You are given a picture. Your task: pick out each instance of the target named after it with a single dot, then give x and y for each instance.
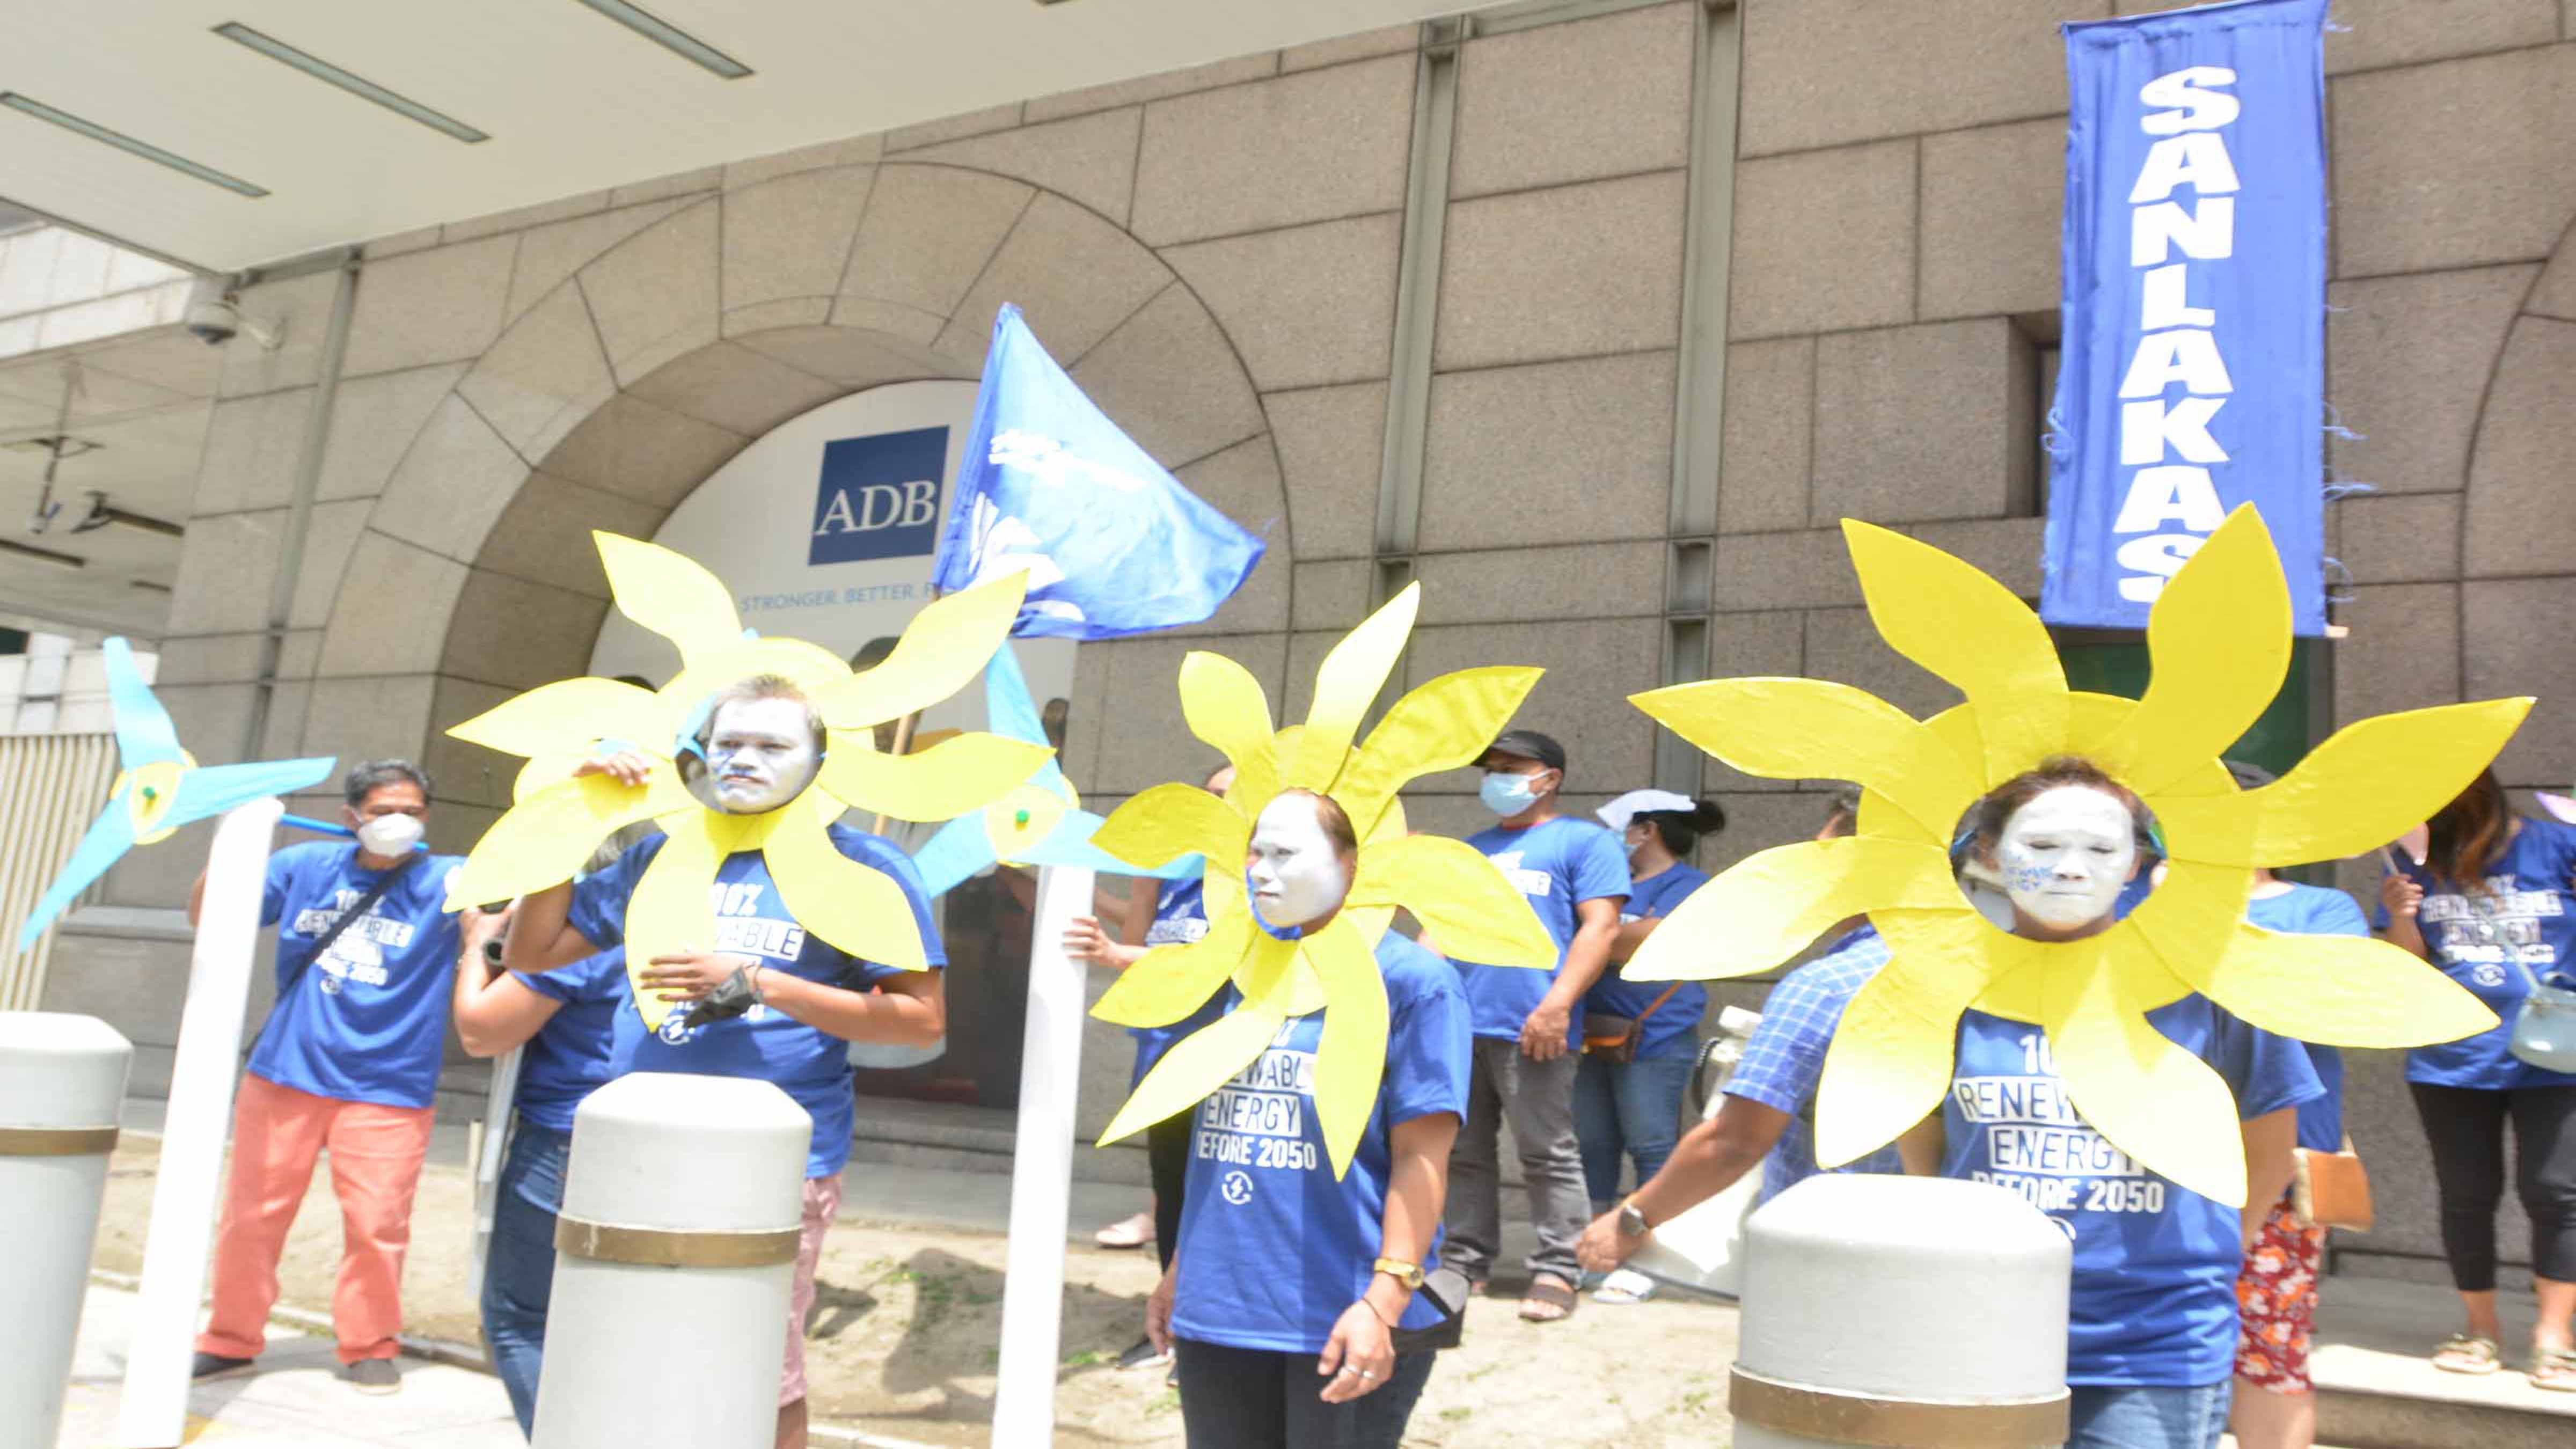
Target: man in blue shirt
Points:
(347, 1060)
(1528, 1023)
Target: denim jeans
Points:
(1633, 1108)
(519, 1273)
(2107, 1417)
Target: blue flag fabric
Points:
(1112, 543)
(2192, 374)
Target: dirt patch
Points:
(907, 1319)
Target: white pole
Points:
(154, 1411)
(1042, 1168)
(61, 1080)
(491, 1147)
(674, 1257)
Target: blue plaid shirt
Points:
(1787, 1055)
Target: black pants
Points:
(1167, 1159)
(1249, 1398)
(2465, 1127)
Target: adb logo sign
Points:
(878, 497)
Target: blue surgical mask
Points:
(1506, 794)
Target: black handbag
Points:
(1446, 1287)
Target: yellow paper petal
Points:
(2190, 917)
(944, 647)
(1966, 628)
(1441, 725)
(1769, 906)
(670, 594)
(566, 712)
(1196, 1065)
(2219, 637)
(1459, 896)
(855, 907)
(1169, 982)
(2348, 991)
(1793, 729)
(1346, 684)
(542, 840)
(1352, 1060)
(1169, 821)
(2362, 788)
(2151, 1099)
(671, 910)
(810, 667)
(1225, 706)
(1889, 1064)
(957, 777)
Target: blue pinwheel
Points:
(160, 788)
(1042, 822)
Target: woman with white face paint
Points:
(2152, 1315)
(1288, 1286)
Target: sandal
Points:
(1550, 1299)
(1623, 1287)
(2554, 1369)
(2461, 1354)
(1128, 1232)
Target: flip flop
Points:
(2461, 1354)
(1548, 1292)
(1128, 1232)
(2554, 1369)
(1623, 1287)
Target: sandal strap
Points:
(2483, 1348)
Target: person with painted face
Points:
(2493, 904)
(765, 999)
(1288, 1288)
(2152, 1313)
(1529, 1023)
(348, 1060)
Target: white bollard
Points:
(1964, 1339)
(187, 1185)
(61, 1080)
(1042, 1168)
(674, 1257)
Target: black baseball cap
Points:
(1528, 745)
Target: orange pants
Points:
(376, 1153)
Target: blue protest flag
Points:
(2192, 366)
(1112, 543)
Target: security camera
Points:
(214, 318)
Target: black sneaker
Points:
(215, 1366)
(1143, 1355)
(373, 1376)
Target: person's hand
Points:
(2401, 895)
(1085, 941)
(1158, 1312)
(626, 767)
(1543, 1033)
(1603, 1247)
(688, 975)
(1359, 1355)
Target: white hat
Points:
(1628, 807)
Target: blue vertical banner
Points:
(2192, 370)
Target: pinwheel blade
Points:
(144, 733)
(109, 837)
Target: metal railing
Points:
(51, 788)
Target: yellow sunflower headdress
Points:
(2219, 639)
(1456, 893)
(555, 820)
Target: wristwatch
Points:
(1408, 1274)
(1632, 1223)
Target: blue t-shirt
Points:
(2315, 911)
(1272, 1247)
(2153, 1302)
(1668, 1029)
(1555, 863)
(2485, 940)
(1180, 917)
(368, 1021)
(806, 1063)
(571, 1055)
(1786, 1057)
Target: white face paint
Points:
(1295, 870)
(2065, 855)
(760, 755)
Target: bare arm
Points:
(541, 938)
(1921, 1147)
(1586, 957)
(494, 1011)
(1707, 1161)
(2404, 898)
(1087, 940)
(2271, 1157)
(1631, 935)
(906, 1010)
(1361, 1352)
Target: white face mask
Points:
(1295, 871)
(760, 755)
(390, 834)
(2065, 855)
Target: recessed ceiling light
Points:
(359, 86)
(670, 37)
(33, 554)
(129, 145)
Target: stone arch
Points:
(621, 380)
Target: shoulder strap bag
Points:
(326, 940)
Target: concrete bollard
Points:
(61, 1080)
(674, 1257)
(1962, 1341)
